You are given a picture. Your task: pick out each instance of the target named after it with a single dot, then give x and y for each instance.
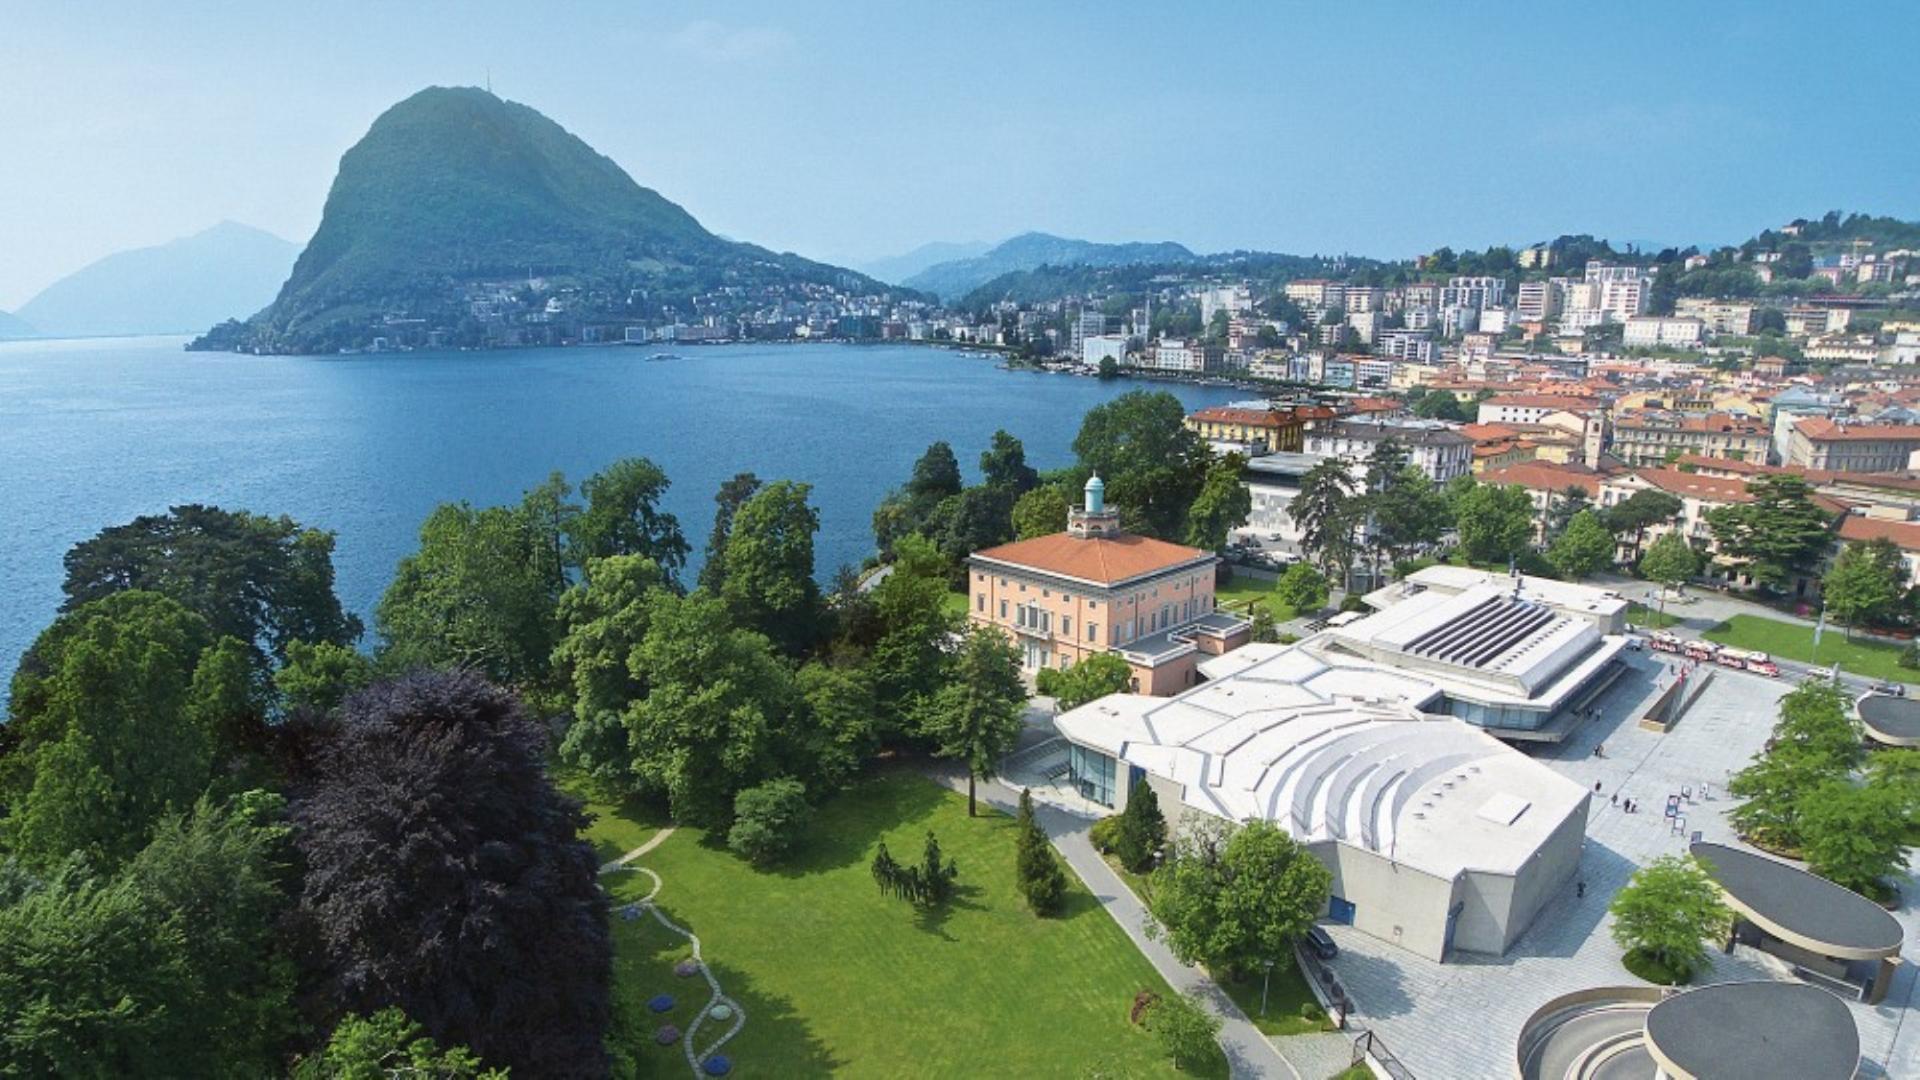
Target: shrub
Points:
(1185, 1028)
(1910, 656)
(768, 820)
(1104, 834)
(1353, 602)
(1142, 829)
(1036, 867)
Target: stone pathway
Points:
(716, 999)
(1249, 1053)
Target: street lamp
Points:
(1265, 979)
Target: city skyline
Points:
(854, 134)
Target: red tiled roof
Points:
(1904, 534)
(1489, 432)
(1570, 402)
(1106, 561)
(1227, 414)
(1708, 488)
(1821, 429)
(1545, 476)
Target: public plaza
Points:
(1461, 1018)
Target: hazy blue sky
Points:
(853, 130)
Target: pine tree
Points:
(1037, 868)
(1143, 829)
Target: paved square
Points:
(1461, 1019)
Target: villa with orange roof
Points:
(1095, 588)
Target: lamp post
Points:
(1265, 979)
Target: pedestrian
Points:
(1596, 787)
(1616, 798)
(1580, 889)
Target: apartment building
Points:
(1840, 445)
(1316, 293)
(1405, 345)
(1531, 408)
(1537, 301)
(1644, 437)
(1437, 449)
(1720, 316)
(1266, 428)
(1670, 331)
(1185, 355)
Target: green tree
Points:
(1301, 588)
(1187, 1031)
(936, 476)
(769, 578)
(1040, 512)
(716, 697)
(1584, 549)
(1563, 506)
(1777, 534)
(908, 658)
(1442, 405)
(1671, 562)
(1109, 368)
(320, 675)
(176, 963)
(1089, 680)
(1153, 466)
(1818, 717)
(1495, 522)
(1864, 582)
(1142, 830)
(1856, 835)
(605, 617)
(769, 819)
(733, 494)
(480, 593)
(267, 581)
(1036, 867)
(1324, 510)
(1641, 511)
(1222, 505)
(108, 743)
(1231, 896)
(1771, 789)
(976, 716)
(1004, 465)
(623, 517)
(977, 518)
(1666, 913)
(389, 1045)
(1408, 509)
(841, 727)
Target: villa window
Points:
(1093, 632)
(980, 602)
(1066, 626)
(1003, 609)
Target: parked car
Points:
(1321, 943)
(1891, 689)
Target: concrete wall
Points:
(1498, 907)
(1392, 901)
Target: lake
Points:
(96, 432)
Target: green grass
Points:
(838, 979)
(1651, 969)
(956, 603)
(1873, 659)
(1651, 618)
(614, 828)
(1353, 1072)
(1241, 593)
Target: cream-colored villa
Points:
(1095, 588)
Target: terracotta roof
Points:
(1711, 423)
(1489, 432)
(1227, 414)
(1105, 561)
(1904, 534)
(1824, 430)
(1570, 402)
(1545, 476)
(1708, 488)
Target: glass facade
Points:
(1092, 773)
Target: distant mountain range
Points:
(224, 272)
(456, 204)
(897, 269)
(12, 326)
(1029, 251)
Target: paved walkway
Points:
(1249, 1053)
(653, 841)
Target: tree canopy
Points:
(976, 715)
(1234, 896)
(1584, 549)
(1667, 911)
(622, 516)
(1779, 533)
(1153, 466)
(769, 584)
(1864, 583)
(267, 581)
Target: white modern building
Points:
(1439, 836)
(1101, 347)
(1673, 331)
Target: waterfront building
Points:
(1265, 428)
(1095, 588)
(1434, 447)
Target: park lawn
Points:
(1239, 594)
(836, 978)
(956, 604)
(1650, 618)
(1874, 659)
(614, 828)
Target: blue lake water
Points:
(93, 433)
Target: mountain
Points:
(227, 271)
(12, 327)
(1032, 250)
(464, 219)
(898, 268)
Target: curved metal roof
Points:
(1800, 907)
(1755, 1030)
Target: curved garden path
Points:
(696, 1058)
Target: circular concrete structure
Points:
(1801, 908)
(1755, 1031)
(1889, 720)
(1597, 1034)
